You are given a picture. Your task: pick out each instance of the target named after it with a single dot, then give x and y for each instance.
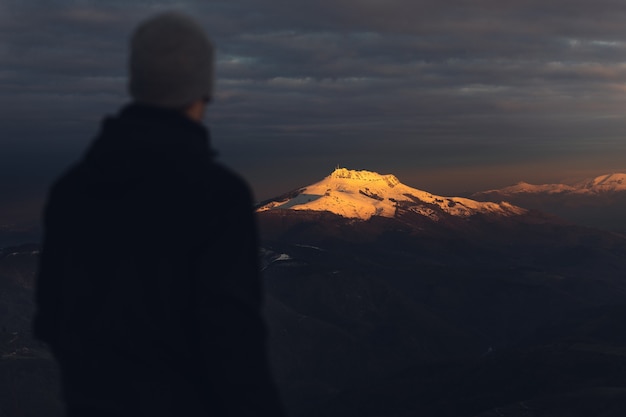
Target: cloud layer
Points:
(418, 88)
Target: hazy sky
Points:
(450, 96)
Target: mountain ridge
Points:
(613, 182)
(364, 194)
(597, 202)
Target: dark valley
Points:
(441, 307)
(385, 300)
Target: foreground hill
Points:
(28, 376)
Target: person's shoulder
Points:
(63, 194)
(229, 181)
(66, 182)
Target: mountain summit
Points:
(604, 183)
(363, 194)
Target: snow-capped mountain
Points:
(363, 194)
(526, 188)
(601, 184)
(596, 202)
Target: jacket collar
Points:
(160, 115)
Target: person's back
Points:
(148, 290)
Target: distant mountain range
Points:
(595, 202)
(609, 183)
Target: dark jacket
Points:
(149, 292)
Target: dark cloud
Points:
(395, 85)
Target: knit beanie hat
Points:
(171, 62)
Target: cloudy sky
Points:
(451, 96)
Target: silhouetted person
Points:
(149, 292)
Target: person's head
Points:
(171, 64)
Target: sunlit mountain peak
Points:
(363, 194)
(603, 183)
(350, 174)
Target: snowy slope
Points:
(597, 185)
(363, 194)
(524, 187)
(603, 183)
